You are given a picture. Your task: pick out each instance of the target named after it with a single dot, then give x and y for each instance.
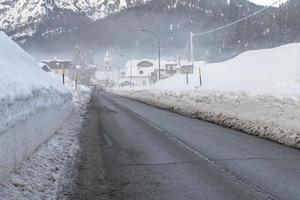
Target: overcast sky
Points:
(265, 2)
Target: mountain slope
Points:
(22, 18)
(172, 19)
(117, 28)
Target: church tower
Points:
(108, 61)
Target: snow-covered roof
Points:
(55, 60)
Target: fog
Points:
(120, 33)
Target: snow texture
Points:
(33, 105)
(47, 172)
(257, 92)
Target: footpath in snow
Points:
(33, 105)
(257, 92)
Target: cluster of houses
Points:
(80, 69)
(142, 72)
(83, 74)
(146, 72)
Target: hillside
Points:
(22, 19)
(172, 20)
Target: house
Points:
(172, 67)
(146, 72)
(106, 78)
(84, 73)
(58, 66)
(139, 72)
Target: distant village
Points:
(143, 72)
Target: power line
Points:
(223, 27)
(237, 21)
(230, 24)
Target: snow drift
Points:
(257, 92)
(33, 105)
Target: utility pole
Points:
(159, 51)
(192, 48)
(76, 80)
(200, 77)
(187, 78)
(130, 73)
(158, 57)
(63, 74)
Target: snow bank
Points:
(47, 173)
(273, 71)
(257, 92)
(33, 105)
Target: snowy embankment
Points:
(47, 174)
(33, 105)
(257, 92)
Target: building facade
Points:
(146, 72)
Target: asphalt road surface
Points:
(132, 151)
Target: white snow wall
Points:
(20, 141)
(266, 116)
(33, 105)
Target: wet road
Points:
(133, 151)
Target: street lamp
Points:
(192, 35)
(76, 80)
(130, 67)
(158, 42)
(192, 48)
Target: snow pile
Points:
(257, 92)
(33, 105)
(274, 71)
(47, 174)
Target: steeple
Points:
(108, 61)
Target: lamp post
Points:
(63, 73)
(192, 48)
(158, 43)
(76, 80)
(130, 60)
(192, 35)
